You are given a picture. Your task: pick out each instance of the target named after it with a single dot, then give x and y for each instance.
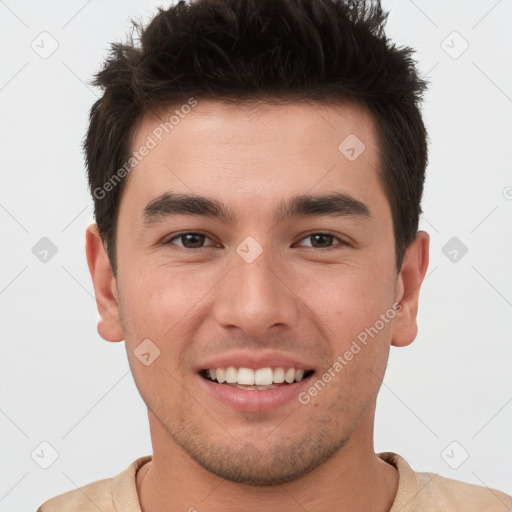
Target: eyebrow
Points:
(334, 204)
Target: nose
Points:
(256, 297)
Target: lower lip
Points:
(252, 400)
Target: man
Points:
(257, 169)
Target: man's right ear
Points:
(105, 287)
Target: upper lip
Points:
(254, 360)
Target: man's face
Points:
(258, 291)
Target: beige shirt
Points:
(417, 492)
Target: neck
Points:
(355, 479)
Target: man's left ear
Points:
(408, 285)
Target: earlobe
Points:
(409, 282)
(105, 288)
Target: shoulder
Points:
(116, 494)
(431, 492)
(450, 494)
(91, 497)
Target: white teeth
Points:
(246, 376)
(261, 378)
(279, 375)
(221, 375)
(289, 376)
(231, 375)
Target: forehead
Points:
(251, 123)
(253, 153)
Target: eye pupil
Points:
(323, 236)
(194, 236)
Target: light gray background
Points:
(62, 384)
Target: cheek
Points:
(164, 306)
(154, 313)
(156, 300)
(351, 299)
(355, 373)
(358, 312)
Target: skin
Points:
(297, 298)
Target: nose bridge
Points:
(253, 296)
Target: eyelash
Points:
(180, 235)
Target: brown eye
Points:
(189, 240)
(322, 240)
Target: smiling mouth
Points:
(259, 379)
